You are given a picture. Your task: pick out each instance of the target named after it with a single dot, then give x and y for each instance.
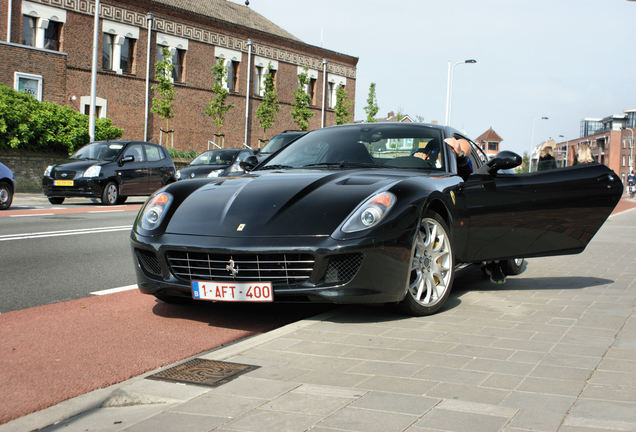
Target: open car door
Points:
(545, 213)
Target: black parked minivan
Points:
(109, 170)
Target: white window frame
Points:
(16, 83)
(43, 15)
(228, 56)
(262, 62)
(99, 102)
(120, 32)
(337, 81)
(172, 43)
(311, 74)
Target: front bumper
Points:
(82, 187)
(380, 273)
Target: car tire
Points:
(110, 194)
(6, 195)
(431, 268)
(513, 266)
(122, 199)
(56, 200)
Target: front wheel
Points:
(431, 269)
(6, 195)
(110, 195)
(56, 200)
(513, 266)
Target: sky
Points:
(561, 59)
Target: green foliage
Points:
(182, 154)
(342, 106)
(525, 164)
(300, 107)
(218, 106)
(372, 104)
(162, 104)
(27, 124)
(268, 108)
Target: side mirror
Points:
(503, 160)
(126, 159)
(249, 163)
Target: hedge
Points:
(27, 124)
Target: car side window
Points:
(137, 151)
(242, 156)
(153, 153)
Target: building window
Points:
(259, 79)
(493, 146)
(29, 83)
(52, 36)
(108, 51)
(232, 75)
(331, 95)
(127, 57)
(28, 30)
(100, 106)
(334, 81)
(623, 164)
(178, 61)
(311, 90)
(42, 25)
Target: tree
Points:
(162, 104)
(372, 104)
(525, 164)
(268, 108)
(342, 106)
(218, 105)
(300, 107)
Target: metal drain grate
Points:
(202, 372)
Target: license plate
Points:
(233, 291)
(63, 182)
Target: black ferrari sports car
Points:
(365, 213)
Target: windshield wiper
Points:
(342, 164)
(276, 167)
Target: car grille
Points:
(149, 262)
(282, 269)
(342, 268)
(64, 175)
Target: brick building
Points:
(490, 142)
(47, 50)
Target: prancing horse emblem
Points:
(230, 267)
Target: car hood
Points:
(199, 170)
(292, 203)
(77, 165)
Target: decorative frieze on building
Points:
(119, 14)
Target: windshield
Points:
(278, 142)
(373, 146)
(103, 151)
(215, 157)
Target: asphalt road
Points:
(56, 253)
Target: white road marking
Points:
(105, 211)
(100, 230)
(31, 215)
(115, 290)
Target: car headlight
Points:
(92, 171)
(47, 171)
(155, 210)
(370, 213)
(215, 173)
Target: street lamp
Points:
(449, 85)
(149, 18)
(91, 119)
(532, 139)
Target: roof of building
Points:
(489, 135)
(393, 117)
(228, 11)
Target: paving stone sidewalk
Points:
(554, 349)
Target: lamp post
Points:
(91, 119)
(149, 18)
(324, 89)
(532, 138)
(449, 85)
(247, 94)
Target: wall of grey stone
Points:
(28, 167)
